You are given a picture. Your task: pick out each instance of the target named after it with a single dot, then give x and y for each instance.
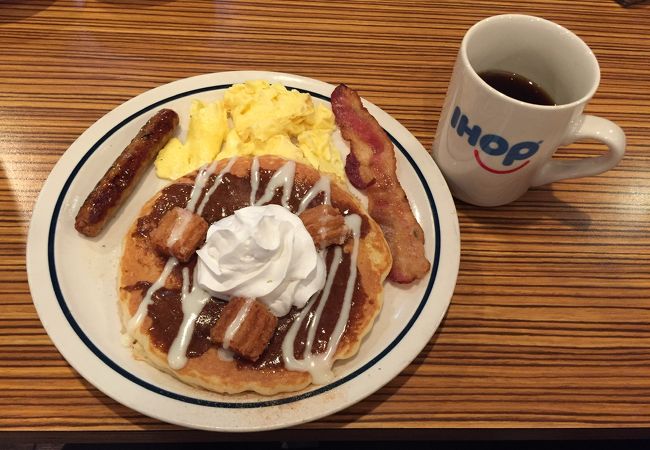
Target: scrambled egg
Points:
(266, 119)
(207, 129)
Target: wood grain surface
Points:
(549, 327)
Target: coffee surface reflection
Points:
(517, 86)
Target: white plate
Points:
(73, 278)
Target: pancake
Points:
(208, 366)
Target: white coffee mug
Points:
(490, 147)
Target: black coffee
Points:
(516, 86)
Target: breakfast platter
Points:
(92, 286)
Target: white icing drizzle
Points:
(199, 184)
(141, 313)
(322, 229)
(282, 177)
(255, 179)
(322, 185)
(232, 329)
(315, 364)
(192, 303)
(319, 365)
(215, 185)
(179, 228)
(313, 325)
(353, 222)
(225, 355)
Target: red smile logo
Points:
(490, 169)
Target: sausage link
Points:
(120, 179)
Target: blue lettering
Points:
(474, 133)
(522, 150)
(494, 145)
(455, 116)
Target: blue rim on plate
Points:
(197, 401)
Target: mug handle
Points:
(592, 127)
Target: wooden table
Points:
(548, 333)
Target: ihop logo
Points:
(493, 145)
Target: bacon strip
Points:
(371, 166)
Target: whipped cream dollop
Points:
(262, 252)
